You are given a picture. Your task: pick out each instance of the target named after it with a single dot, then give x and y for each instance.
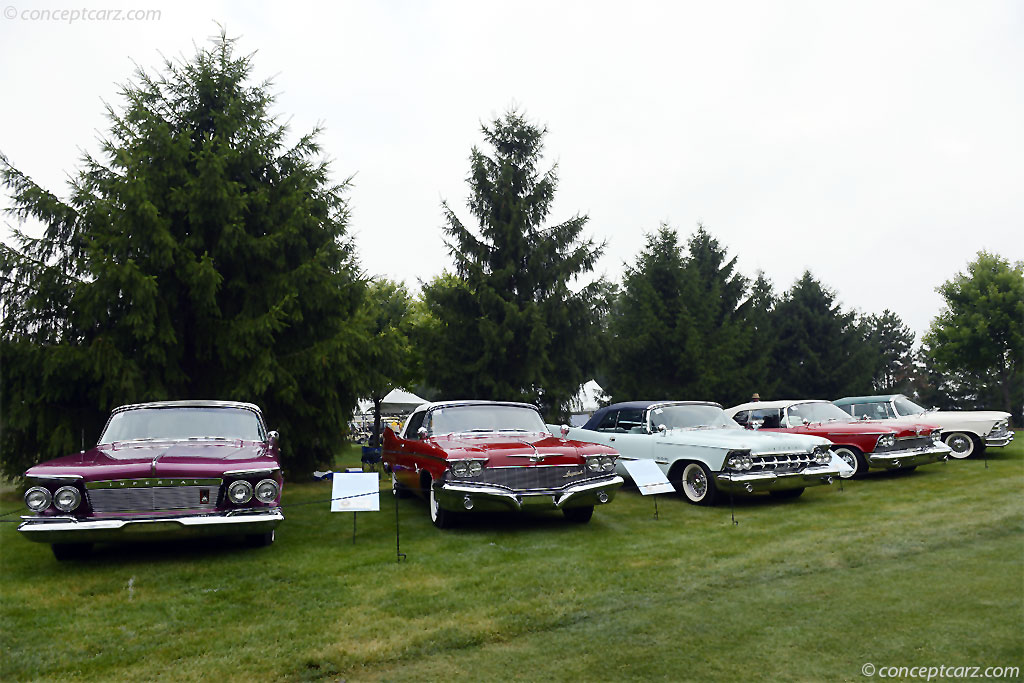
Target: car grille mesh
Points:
(528, 478)
(152, 498)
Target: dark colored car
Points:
(161, 470)
(485, 455)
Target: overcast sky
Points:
(877, 143)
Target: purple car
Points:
(161, 470)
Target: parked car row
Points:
(188, 468)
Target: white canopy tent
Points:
(397, 402)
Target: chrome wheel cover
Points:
(695, 482)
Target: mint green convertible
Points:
(704, 453)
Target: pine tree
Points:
(649, 327)
(820, 352)
(510, 325)
(892, 342)
(198, 257)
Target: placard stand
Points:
(355, 492)
(649, 479)
(399, 555)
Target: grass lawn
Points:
(925, 569)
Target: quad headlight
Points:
(37, 498)
(739, 460)
(240, 492)
(466, 468)
(67, 498)
(600, 463)
(936, 436)
(886, 441)
(821, 455)
(267, 491)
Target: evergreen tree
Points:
(759, 319)
(649, 327)
(197, 257)
(980, 333)
(680, 328)
(510, 326)
(820, 352)
(892, 342)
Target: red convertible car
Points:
(485, 455)
(862, 444)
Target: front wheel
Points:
(442, 519)
(71, 551)
(854, 458)
(579, 515)
(786, 493)
(696, 483)
(963, 445)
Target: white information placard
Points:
(648, 477)
(355, 492)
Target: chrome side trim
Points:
(254, 470)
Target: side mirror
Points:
(662, 428)
(755, 424)
(421, 433)
(273, 437)
(565, 431)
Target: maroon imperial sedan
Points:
(166, 469)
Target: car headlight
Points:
(267, 491)
(739, 460)
(594, 463)
(240, 492)
(886, 441)
(67, 498)
(936, 436)
(821, 455)
(37, 498)
(608, 463)
(460, 468)
(475, 467)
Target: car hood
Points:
(982, 420)
(159, 459)
(899, 428)
(742, 439)
(505, 449)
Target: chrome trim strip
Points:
(43, 525)
(56, 477)
(254, 470)
(151, 482)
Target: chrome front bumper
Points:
(894, 460)
(754, 482)
(68, 529)
(999, 440)
(453, 496)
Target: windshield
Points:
(690, 417)
(817, 412)
(485, 418)
(183, 423)
(904, 406)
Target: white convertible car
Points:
(966, 432)
(705, 453)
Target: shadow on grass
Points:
(154, 552)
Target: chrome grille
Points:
(533, 477)
(781, 462)
(152, 498)
(906, 443)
